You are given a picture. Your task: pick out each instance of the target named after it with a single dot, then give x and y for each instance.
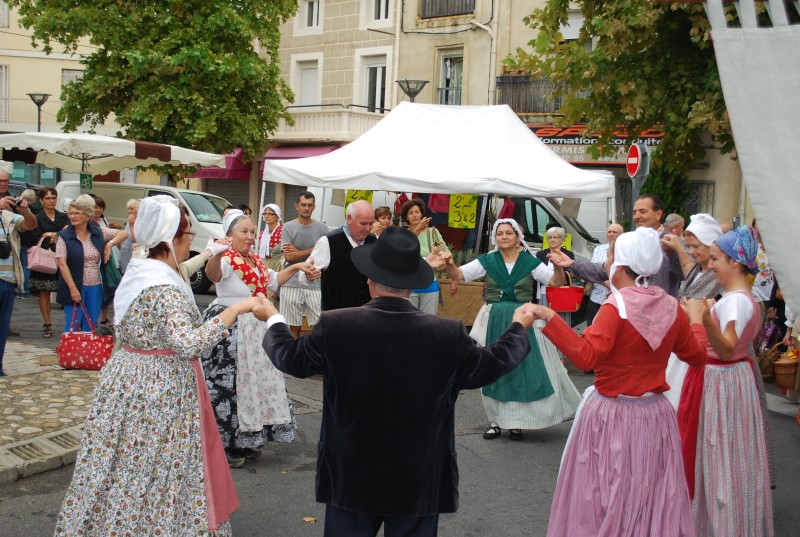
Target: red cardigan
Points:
(623, 362)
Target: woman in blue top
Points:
(538, 393)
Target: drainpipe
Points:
(396, 58)
(492, 56)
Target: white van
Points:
(533, 213)
(205, 211)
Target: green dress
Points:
(529, 381)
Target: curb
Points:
(40, 454)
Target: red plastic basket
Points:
(564, 299)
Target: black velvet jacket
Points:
(391, 376)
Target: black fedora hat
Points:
(393, 260)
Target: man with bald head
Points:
(600, 290)
(343, 286)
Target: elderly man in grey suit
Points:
(391, 377)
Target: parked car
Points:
(205, 211)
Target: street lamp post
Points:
(411, 88)
(39, 99)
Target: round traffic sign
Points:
(634, 161)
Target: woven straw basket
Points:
(785, 373)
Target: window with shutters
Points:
(375, 96)
(451, 79)
(4, 22)
(305, 79)
(310, 17)
(371, 83)
(445, 8)
(70, 75)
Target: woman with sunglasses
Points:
(50, 222)
(269, 243)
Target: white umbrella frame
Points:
(95, 154)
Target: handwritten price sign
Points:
(463, 208)
(357, 195)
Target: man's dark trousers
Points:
(340, 522)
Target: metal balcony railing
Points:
(445, 8)
(450, 95)
(529, 95)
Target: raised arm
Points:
(672, 244)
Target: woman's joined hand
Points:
(670, 243)
(312, 273)
(262, 308)
(559, 258)
(696, 309)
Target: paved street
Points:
(506, 487)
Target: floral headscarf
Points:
(741, 245)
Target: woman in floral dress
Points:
(151, 461)
(249, 395)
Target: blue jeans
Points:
(92, 297)
(8, 292)
(23, 257)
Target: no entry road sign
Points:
(634, 161)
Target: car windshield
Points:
(582, 231)
(206, 208)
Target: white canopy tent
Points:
(446, 150)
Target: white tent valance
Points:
(447, 150)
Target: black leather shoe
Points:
(515, 434)
(492, 433)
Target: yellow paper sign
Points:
(567, 245)
(357, 195)
(463, 208)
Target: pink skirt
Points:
(622, 472)
(732, 487)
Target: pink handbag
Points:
(42, 259)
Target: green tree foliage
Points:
(671, 187)
(650, 65)
(184, 72)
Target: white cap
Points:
(157, 221)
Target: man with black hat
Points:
(391, 378)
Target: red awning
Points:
(298, 151)
(234, 168)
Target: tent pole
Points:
(481, 217)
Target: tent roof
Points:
(448, 150)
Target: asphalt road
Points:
(506, 487)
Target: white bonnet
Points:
(157, 221)
(275, 209)
(640, 250)
(228, 219)
(514, 224)
(705, 228)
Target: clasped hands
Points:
(698, 310)
(259, 306)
